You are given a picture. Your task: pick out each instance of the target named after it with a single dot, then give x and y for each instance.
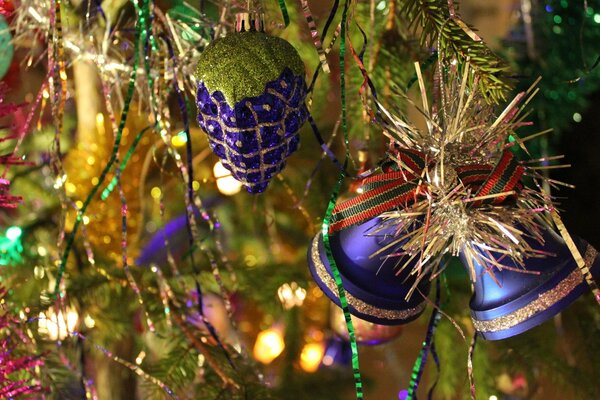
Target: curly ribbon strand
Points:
(470, 365)
(358, 57)
(284, 13)
(58, 90)
(320, 162)
(330, 18)
(111, 161)
(124, 241)
(170, 259)
(367, 81)
(324, 147)
(183, 106)
(436, 359)
(419, 366)
(314, 33)
(165, 292)
(584, 268)
(326, 220)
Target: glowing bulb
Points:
(311, 356)
(226, 183)
(492, 397)
(291, 295)
(57, 326)
(89, 321)
(179, 140)
(155, 192)
(13, 233)
(269, 345)
(100, 125)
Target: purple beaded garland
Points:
(255, 137)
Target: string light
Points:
(11, 246)
(226, 183)
(13, 233)
(291, 295)
(311, 356)
(269, 345)
(57, 326)
(179, 140)
(89, 321)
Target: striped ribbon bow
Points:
(400, 187)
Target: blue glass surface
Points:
(500, 293)
(255, 136)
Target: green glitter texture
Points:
(241, 64)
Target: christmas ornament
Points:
(457, 189)
(377, 291)
(509, 301)
(83, 166)
(250, 98)
(174, 233)
(367, 333)
(6, 47)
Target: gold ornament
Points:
(83, 166)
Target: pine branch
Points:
(436, 24)
(202, 348)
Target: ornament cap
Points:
(250, 22)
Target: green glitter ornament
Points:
(242, 63)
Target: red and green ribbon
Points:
(400, 187)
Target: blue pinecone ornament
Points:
(250, 98)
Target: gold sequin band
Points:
(542, 303)
(358, 304)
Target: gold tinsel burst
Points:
(447, 216)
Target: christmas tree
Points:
(298, 199)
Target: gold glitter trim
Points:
(543, 302)
(590, 257)
(357, 304)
